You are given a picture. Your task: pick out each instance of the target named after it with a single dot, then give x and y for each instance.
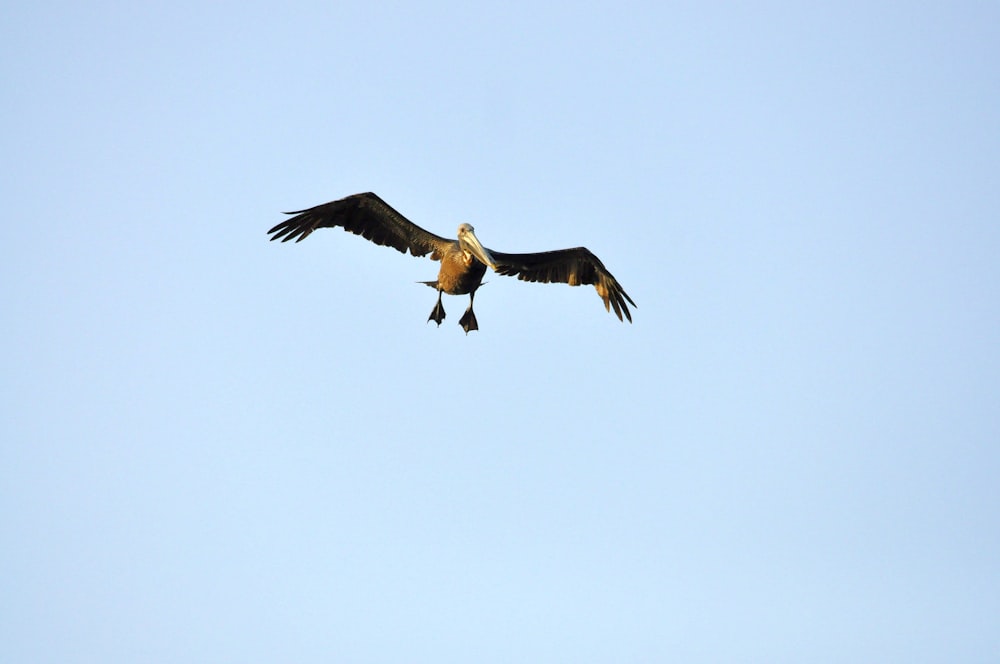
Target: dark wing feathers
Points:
(568, 266)
(366, 215)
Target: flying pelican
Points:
(463, 262)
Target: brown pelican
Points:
(463, 262)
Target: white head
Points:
(469, 243)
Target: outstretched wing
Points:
(568, 266)
(366, 215)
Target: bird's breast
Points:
(460, 274)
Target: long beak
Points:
(478, 250)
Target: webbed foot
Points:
(437, 314)
(468, 321)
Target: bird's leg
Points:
(468, 320)
(437, 314)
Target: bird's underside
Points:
(463, 261)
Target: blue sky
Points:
(217, 448)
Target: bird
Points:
(464, 261)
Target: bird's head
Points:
(469, 243)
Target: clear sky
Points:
(221, 449)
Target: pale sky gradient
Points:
(221, 449)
